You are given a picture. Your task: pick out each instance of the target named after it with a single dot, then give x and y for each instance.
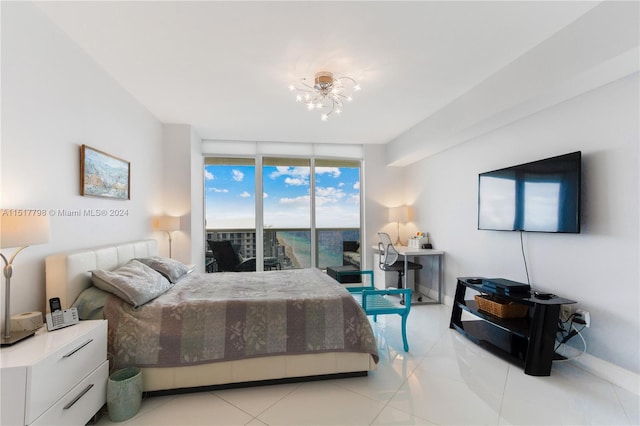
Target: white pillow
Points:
(172, 269)
(135, 282)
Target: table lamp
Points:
(167, 224)
(399, 214)
(21, 232)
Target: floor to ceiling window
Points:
(337, 209)
(230, 211)
(298, 230)
(287, 211)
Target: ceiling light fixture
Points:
(327, 94)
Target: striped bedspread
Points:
(234, 315)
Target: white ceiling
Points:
(224, 67)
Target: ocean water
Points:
(329, 246)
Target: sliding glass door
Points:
(287, 212)
(337, 211)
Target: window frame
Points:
(259, 189)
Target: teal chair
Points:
(374, 302)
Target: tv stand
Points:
(528, 342)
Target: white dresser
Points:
(55, 378)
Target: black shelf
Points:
(519, 326)
(528, 342)
(494, 339)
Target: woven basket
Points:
(501, 309)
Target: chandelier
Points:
(327, 94)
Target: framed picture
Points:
(103, 175)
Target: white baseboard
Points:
(619, 376)
(447, 300)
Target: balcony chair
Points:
(389, 258)
(228, 260)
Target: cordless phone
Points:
(59, 318)
(54, 304)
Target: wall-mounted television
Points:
(541, 196)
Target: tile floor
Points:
(443, 380)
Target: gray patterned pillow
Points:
(135, 282)
(171, 269)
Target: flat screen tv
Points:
(541, 196)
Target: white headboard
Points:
(69, 273)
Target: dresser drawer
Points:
(81, 403)
(55, 375)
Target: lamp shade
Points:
(399, 214)
(166, 223)
(21, 231)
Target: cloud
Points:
(265, 195)
(237, 175)
(297, 176)
(302, 200)
(353, 199)
(328, 195)
(208, 175)
(332, 171)
(218, 189)
(341, 184)
(356, 185)
(294, 181)
(329, 192)
(245, 194)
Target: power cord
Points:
(571, 332)
(524, 258)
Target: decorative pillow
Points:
(171, 269)
(90, 303)
(135, 282)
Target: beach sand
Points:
(288, 251)
(290, 254)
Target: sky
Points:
(230, 197)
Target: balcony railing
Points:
(287, 248)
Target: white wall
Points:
(384, 187)
(54, 99)
(183, 192)
(598, 267)
(196, 171)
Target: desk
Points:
(407, 252)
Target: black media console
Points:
(528, 342)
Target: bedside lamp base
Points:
(16, 336)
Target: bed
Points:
(254, 350)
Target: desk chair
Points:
(389, 258)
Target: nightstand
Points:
(55, 378)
